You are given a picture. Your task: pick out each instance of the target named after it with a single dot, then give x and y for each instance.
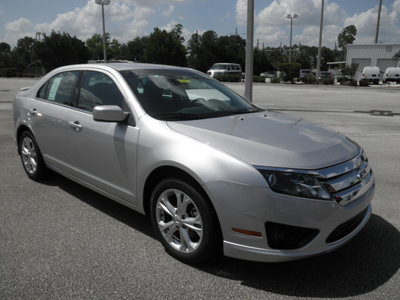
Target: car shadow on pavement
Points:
(112, 208)
(365, 263)
(361, 266)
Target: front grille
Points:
(350, 180)
(346, 228)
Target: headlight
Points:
(295, 184)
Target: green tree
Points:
(166, 47)
(207, 49)
(327, 55)
(23, 53)
(275, 57)
(290, 71)
(6, 62)
(115, 50)
(397, 56)
(349, 72)
(5, 55)
(195, 57)
(261, 62)
(95, 46)
(347, 36)
(134, 50)
(61, 49)
(231, 48)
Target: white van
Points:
(372, 74)
(224, 68)
(392, 74)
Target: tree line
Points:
(31, 56)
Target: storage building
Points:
(380, 55)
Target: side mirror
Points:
(109, 113)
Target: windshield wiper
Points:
(176, 116)
(240, 111)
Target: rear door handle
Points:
(75, 126)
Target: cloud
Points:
(17, 29)
(152, 3)
(272, 26)
(366, 22)
(396, 6)
(270, 35)
(86, 21)
(169, 11)
(124, 21)
(137, 27)
(241, 12)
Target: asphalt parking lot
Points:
(62, 241)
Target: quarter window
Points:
(59, 88)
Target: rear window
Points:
(59, 88)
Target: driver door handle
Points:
(75, 126)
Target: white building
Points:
(380, 55)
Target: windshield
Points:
(184, 95)
(219, 67)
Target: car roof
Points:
(121, 66)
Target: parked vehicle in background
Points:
(305, 72)
(392, 74)
(215, 173)
(268, 74)
(341, 78)
(372, 74)
(325, 74)
(224, 69)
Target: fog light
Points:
(287, 237)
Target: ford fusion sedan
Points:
(215, 173)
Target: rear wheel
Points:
(31, 157)
(184, 221)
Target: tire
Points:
(31, 157)
(184, 222)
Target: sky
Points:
(127, 19)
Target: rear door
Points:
(49, 117)
(103, 154)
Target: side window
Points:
(99, 89)
(59, 88)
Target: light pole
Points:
(321, 25)
(248, 77)
(102, 3)
(378, 21)
(289, 16)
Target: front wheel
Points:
(184, 221)
(31, 157)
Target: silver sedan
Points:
(215, 173)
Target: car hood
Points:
(271, 139)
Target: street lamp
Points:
(102, 3)
(289, 16)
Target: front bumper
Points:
(250, 208)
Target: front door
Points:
(102, 154)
